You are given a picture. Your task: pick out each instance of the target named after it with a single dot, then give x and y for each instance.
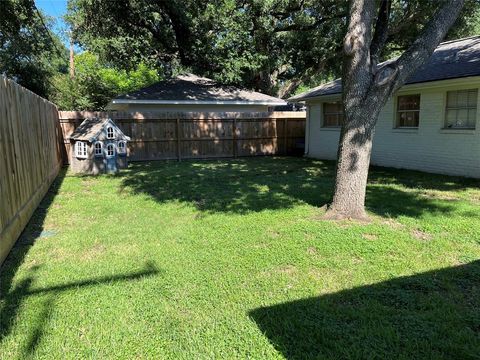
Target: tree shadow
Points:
(233, 186)
(433, 315)
(32, 232)
(13, 295)
(252, 185)
(13, 299)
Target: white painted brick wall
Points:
(428, 148)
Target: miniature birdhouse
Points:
(98, 146)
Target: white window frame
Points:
(106, 150)
(119, 148)
(398, 111)
(338, 114)
(457, 108)
(81, 150)
(110, 134)
(95, 149)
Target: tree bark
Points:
(366, 89)
(354, 152)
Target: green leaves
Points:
(273, 46)
(29, 53)
(94, 84)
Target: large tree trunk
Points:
(366, 89)
(352, 168)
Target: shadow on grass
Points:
(12, 297)
(250, 185)
(433, 315)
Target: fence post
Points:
(179, 157)
(234, 137)
(285, 128)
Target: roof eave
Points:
(315, 97)
(197, 102)
(434, 83)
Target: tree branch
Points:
(300, 27)
(381, 31)
(357, 75)
(423, 47)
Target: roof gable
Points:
(91, 129)
(450, 60)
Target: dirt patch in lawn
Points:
(421, 235)
(393, 223)
(440, 195)
(94, 252)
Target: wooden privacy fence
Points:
(30, 157)
(188, 135)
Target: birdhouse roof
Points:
(91, 128)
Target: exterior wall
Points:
(187, 108)
(93, 165)
(429, 148)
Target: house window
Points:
(81, 150)
(408, 111)
(110, 133)
(110, 150)
(332, 114)
(461, 111)
(121, 147)
(98, 149)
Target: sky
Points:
(56, 9)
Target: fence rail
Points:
(30, 157)
(184, 135)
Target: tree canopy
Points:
(279, 47)
(29, 52)
(94, 84)
(275, 46)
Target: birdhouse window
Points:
(81, 150)
(110, 150)
(98, 149)
(122, 149)
(110, 133)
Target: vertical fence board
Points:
(190, 135)
(30, 157)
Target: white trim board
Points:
(197, 102)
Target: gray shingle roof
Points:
(450, 60)
(191, 88)
(90, 128)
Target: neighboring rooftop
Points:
(450, 60)
(191, 89)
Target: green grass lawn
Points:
(231, 259)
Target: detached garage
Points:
(191, 93)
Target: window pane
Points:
(462, 117)
(408, 119)
(332, 114)
(402, 118)
(332, 108)
(472, 117)
(416, 118)
(472, 98)
(462, 98)
(451, 99)
(409, 102)
(451, 117)
(461, 113)
(330, 120)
